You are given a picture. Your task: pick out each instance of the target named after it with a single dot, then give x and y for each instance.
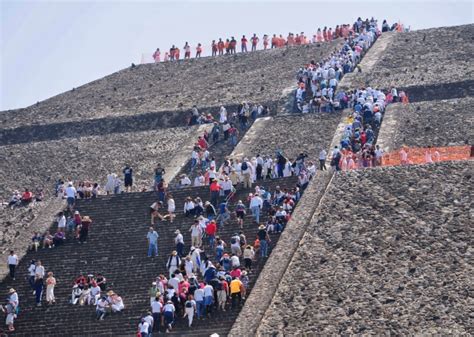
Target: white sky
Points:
(48, 47)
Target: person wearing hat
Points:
(264, 239)
(13, 298)
(179, 242)
(173, 262)
(169, 311)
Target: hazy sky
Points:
(48, 47)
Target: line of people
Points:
(229, 46)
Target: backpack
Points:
(219, 286)
(244, 166)
(189, 304)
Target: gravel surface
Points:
(388, 252)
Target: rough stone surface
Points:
(435, 123)
(256, 77)
(269, 278)
(422, 57)
(388, 251)
(92, 158)
(292, 134)
(17, 227)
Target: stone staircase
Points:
(117, 248)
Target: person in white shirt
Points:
(234, 261)
(199, 180)
(196, 234)
(168, 313)
(378, 156)
(31, 275)
(189, 309)
(184, 181)
(61, 222)
(171, 207)
(70, 195)
(188, 266)
(174, 282)
(150, 320)
(95, 293)
(208, 298)
(255, 206)
(101, 308)
(156, 308)
(144, 327)
(39, 275)
(12, 263)
(222, 115)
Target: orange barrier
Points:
(421, 155)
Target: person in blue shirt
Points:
(152, 237)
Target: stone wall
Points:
(256, 77)
(292, 134)
(387, 252)
(435, 123)
(40, 164)
(422, 58)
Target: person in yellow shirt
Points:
(236, 290)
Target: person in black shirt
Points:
(128, 178)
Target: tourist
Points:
(264, 240)
(173, 262)
(154, 211)
(50, 284)
(171, 207)
(102, 307)
(128, 178)
(179, 242)
(71, 196)
(85, 227)
(156, 308)
(39, 275)
(236, 288)
(169, 311)
(10, 311)
(12, 263)
(249, 255)
(196, 234)
(190, 309)
(152, 237)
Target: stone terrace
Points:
(291, 134)
(40, 164)
(423, 58)
(436, 123)
(257, 77)
(395, 260)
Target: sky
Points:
(48, 47)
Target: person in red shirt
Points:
(274, 41)
(232, 45)
(220, 47)
(172, 53)
(176, 53)
(202, 143)
(290, 39)
(26, 197)
(215, 189)
(254, 42)
(211, 230)
(243, 42)
(214, 47)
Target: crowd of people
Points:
(229, 46)
(206, 274)
(212, 275)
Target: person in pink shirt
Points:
(319, 35)
(157, 55)
(167, 57)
